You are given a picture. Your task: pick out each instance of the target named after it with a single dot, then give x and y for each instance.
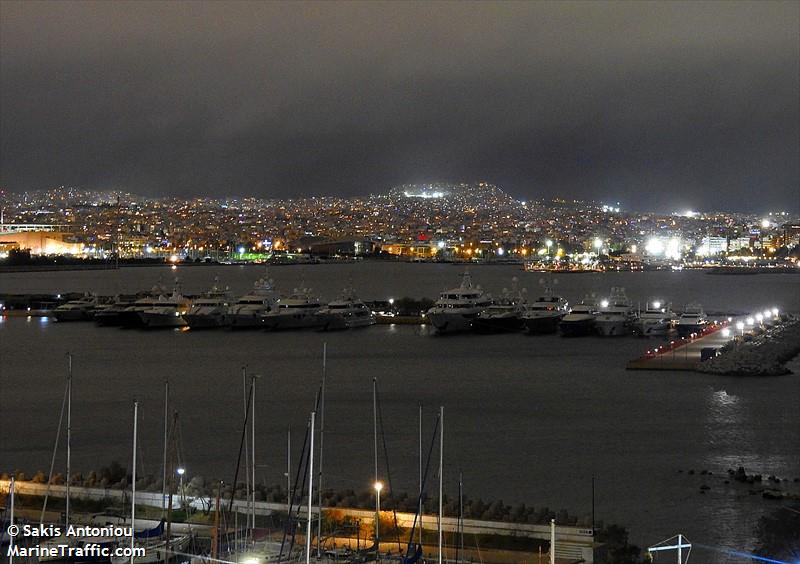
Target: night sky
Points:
(660, 106)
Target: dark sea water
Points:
(527, 419)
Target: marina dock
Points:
(682, 353)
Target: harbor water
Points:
(527, 419)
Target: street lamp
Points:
(378, 487)
(740, 327)
(181, 471)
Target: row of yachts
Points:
(260, 308)
(468, 308)
(464, 308)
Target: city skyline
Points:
(658, 106)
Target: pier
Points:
(683, 353)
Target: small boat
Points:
(457, 308)
(247, 311)
(76, 310)
(545, 313)
(503, 316)
(692, 320)
(580, 321)
(209, 310)
(616, 316)
(347, 312)
(655, 321)
(298, 311)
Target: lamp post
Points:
(378, 487)
(181, 471)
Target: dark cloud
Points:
(653, 104)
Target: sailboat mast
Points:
(420, 509)
(310, 488)
(460, 517)
(133, 480)
(69, 431)
(164, 463)
(289, 471)
(253, 452)
(321, 442)
(375, 422)
(12, 487)
(441, 481)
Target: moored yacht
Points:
(616, 314)
(545, 313)
(209, 310)
(129, 316)
(111, 314)
(246, 313)
(76, 310)
(692, 320)
(298, 311)
(347, 312)
(580, 321)
(457, 308)
(655, 321)
(168, 312)
(503, 316)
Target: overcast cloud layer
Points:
(657, 105)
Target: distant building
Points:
(40, 242)
(350, 247)
(711, 246)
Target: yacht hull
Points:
(577, 327)
(490, 325)
(611, 327)
(290, 322)
(161, 321)
(243, 321)
(206, 321)
(71, 315)
(686, 330)
(651, 328)
(542, 324)
(452, 322)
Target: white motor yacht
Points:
(504, 315)
(76, 310)
(457, 308)
(616, 316)
(246, 313)
(347, 312)
(168, 312)
(298, 311)
(580, 320)
(692, 320)
(209, 310)
(655, 321)
(545, 313)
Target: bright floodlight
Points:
(775, 311)
(750, 320)
(378, 486)
(726, 332)
(759, 317)
(500, 251)
(740, 325)
(654, 246)
(548, 243)
(657, 304)
(764, 223)
(604, 303)
(181, 471)
(391, 301)
(598, 243)
(440, 244)
(767, 313)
